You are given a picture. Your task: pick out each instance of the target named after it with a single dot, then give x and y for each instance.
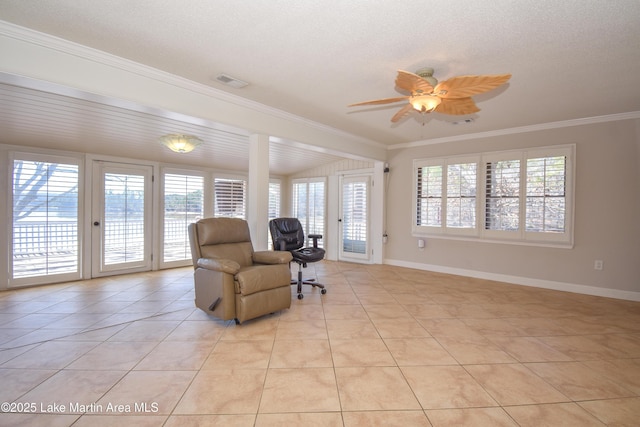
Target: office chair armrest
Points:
(219, 264)
(272, 257)
(315, 238)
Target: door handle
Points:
(96, 223)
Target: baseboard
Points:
(524, 281)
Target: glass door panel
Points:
(122, 219)
(354, 233)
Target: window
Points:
(502, 190)
(230, 198)
(446, 195)
(183, 204)
(45, 238)
(526, 195)
(124, 238)
(274, 199)
(274, 205)
(430, 196)
(546, 194)
(309, 205)
(461, 195)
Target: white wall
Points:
(607, 216)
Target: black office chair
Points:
(287, 235)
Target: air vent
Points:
(463, 122)
(230, 81)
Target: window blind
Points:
(502, 195)
(124, 219)
(429, 192)
(274, 206)
(525, 195)
(230, 198)
(183, 204)
(546, 194)
(309, 206)
(354, 219)
(45, 238)
(461, 195)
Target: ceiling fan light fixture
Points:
(180, 143)
(427, 74)
(425, 103)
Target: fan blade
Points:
(404, 110)
(457, 106)
(465, 86)
(412, 82)
(380, 101)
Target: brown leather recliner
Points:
(232, 281)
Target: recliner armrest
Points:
(272, 257)
(223, 265)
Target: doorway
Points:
(354, 218)
(121, 218)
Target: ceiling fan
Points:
(452, 96)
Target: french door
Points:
(121, 218)
(354, 218)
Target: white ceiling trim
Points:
(523, 129)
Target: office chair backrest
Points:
(287, 230)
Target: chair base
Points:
(302, 281)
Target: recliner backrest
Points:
(222, 238)
(287, 230)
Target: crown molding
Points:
(71, 48)
(523, 129)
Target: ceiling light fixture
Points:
(180, 143)
(425, 103)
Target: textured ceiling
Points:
(570, 60)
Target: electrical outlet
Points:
(598, 264)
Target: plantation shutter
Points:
(546, 194)
(183, 204)
(45, 223)
(309, 205)
(230, 198)
(461, 195)
(502, 190)
(429, 196)
(274, 206)
(354, 215)
(316, 210)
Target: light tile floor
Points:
(386, 346)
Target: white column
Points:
(258, 192)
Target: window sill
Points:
(516, 242)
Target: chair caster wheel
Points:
(324, 291)
(300, 296)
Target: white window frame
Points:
(275, 205)
(443, 228)
(521, 236)
(487, 158)
(174, 171)
(305, 224)
(55, 277)
(566, 237)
